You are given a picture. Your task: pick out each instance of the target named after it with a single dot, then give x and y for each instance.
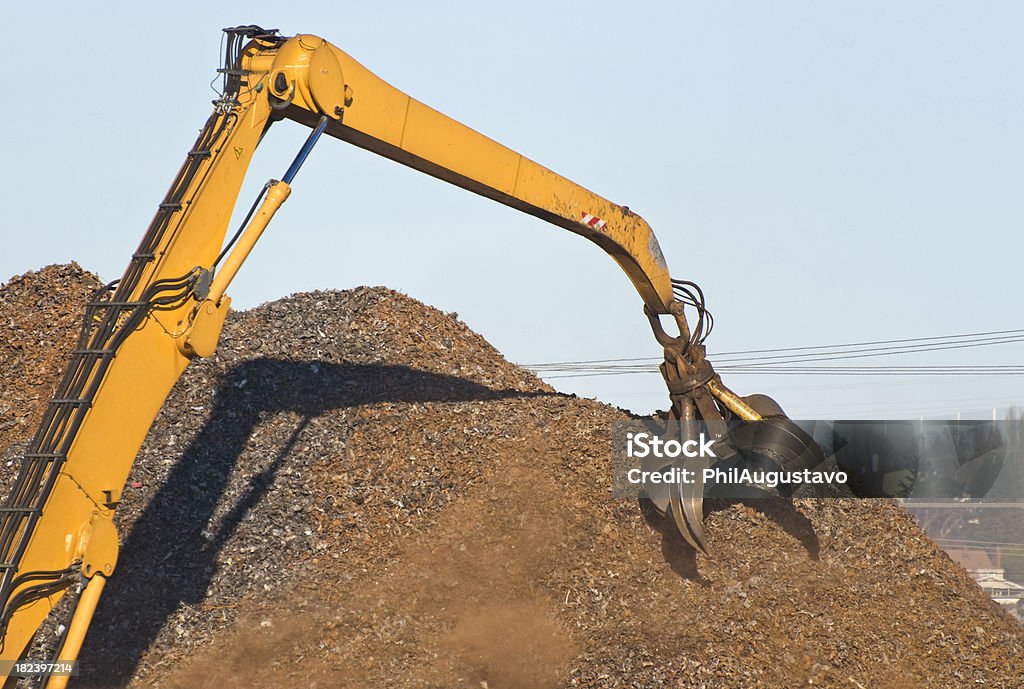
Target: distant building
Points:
(991, 578)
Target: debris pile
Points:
(40, 313)
(357, 490)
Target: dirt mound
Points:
(40, 313)
(359, 491)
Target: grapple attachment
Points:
(772, 444)
(750, 431)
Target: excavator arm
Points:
(314, 79)
(140, 332)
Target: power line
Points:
(839, 354)
(878, 342)
(718, 355)
(882, 351)
(798, 363)
(821, 371)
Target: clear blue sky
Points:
(828, 172)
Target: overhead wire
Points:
(718, 355)
(807, 360)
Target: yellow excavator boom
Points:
(139, 333)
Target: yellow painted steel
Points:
(302, 79)
(204, 333)
(733, 402)
(385, 120)
(147, 365)
(84, 611)
(276, 195)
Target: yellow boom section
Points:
(317, 77)
(59, 516)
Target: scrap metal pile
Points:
(357, 490)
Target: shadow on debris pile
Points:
(167, 560)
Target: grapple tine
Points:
(693, 387)
(687, 500)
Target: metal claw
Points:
(687, 506)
